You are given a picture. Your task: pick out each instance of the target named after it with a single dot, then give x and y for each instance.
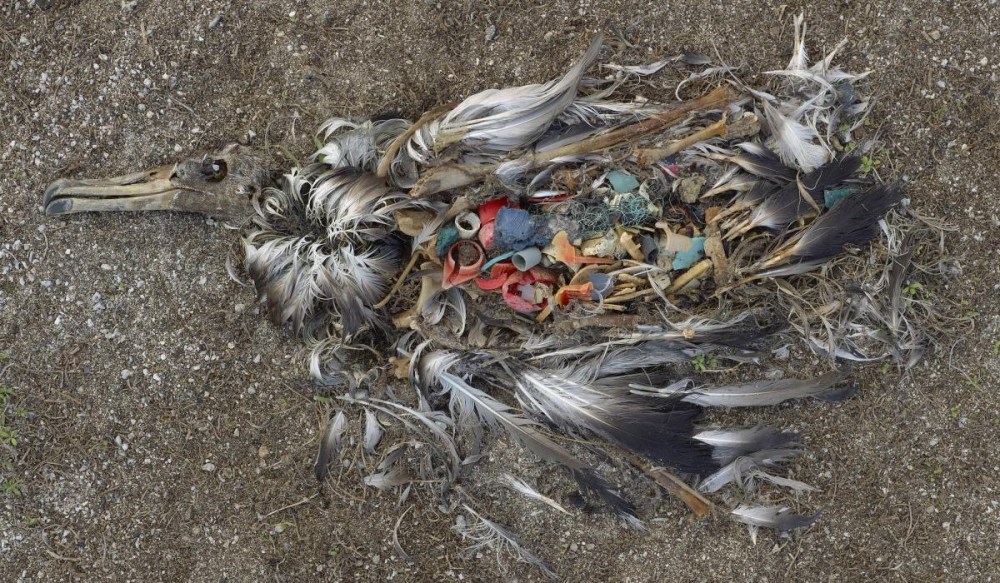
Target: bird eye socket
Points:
(218, 170)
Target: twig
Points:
(399, 281)
(293, 505)
(59, 557)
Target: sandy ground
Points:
(165, 430)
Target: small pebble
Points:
(208, 467)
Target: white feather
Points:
(528, 492)
(800, 59)
(502, 120)
(794, 142)
(373, 431)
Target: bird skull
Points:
(222, 185)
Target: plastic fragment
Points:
(630, 246)
(525, 259)
(835, 195)
(486, 235)
(567, 293)
(462, 264)
(517, 229)
(602, 285)
(685, 259)
(622, 181)
(564, 252)
(489, 209)
(468, 225)
(527, 291)
(671, 242)
(447, 236)
(487, 216)
(497, 276)
(502, 257)
(650, 250)
(604, 246)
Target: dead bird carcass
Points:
(554, 260)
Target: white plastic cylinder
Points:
(468, 225)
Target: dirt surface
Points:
(165, 430)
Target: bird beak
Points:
(151, 190)
(204, 186)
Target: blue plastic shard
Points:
(650, 250)
(685, 259)
(622, 181)
(835, 195)
(603, 284)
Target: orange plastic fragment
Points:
(580, 291)
(565, 252)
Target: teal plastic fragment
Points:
(447, 236)
(835, 195)
(497, 259)
(685, 259)
(622, 181)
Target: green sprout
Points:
(11, 487)
(911, 289)
(701, 363)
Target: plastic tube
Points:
(525, 259)
(468, 225)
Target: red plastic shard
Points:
(498, 275)
(520, 290)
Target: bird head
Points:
(222, 185)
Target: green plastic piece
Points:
(835, 195)
(622, 181)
